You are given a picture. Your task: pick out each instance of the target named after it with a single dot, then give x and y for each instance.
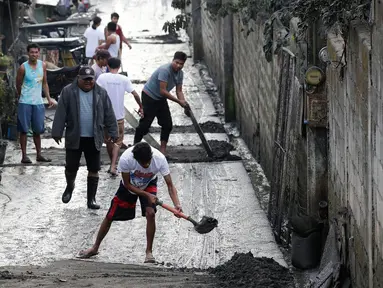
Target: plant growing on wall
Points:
(7, 101)
(5, 62)
(335, 14)
(181, 21)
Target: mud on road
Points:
(76, 273)
(242, 270)
(176, 154)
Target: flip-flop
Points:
(149, 258)
(83, 255)
(26, 160)
(43, 159)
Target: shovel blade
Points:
(206, 225)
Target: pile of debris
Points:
(244, 270)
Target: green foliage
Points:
(331, 14)
(180, 4)
(334, 13)
(180, 22)
(5, 60)
(7, 101)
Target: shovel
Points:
(202, 227)
(205, 144)
(124, 73)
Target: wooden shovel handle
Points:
(171, 209)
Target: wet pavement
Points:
(36, 228)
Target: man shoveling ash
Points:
(84, 109)
(154, 98)
(139, 166)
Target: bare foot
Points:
(85, 254)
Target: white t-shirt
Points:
(116, 85)
(140, 177)
(93, 36)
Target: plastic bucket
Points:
(306, 251)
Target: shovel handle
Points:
(171, 209)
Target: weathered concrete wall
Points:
(256, 85)
(376, 94)
(255, 82)
(355, 157)
(211, 35)
(217, 46)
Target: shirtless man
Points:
(112, 43)
(114, 18)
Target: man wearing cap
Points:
(84, 109)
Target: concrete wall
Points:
(256, 84)
(376, 94)
(355, 143)
(254, 89)
(211, 35)
(355, 152)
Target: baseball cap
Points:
(86, 72)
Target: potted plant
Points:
(5, 62)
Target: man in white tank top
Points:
(112, 43)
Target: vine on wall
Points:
(334, 14)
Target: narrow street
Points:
(37, 229)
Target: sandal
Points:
(43, 159)
(149, 258)
(26, 160)
(86, 254)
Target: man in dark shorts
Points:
(139, 166)
(84, 109)
(154, 98)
